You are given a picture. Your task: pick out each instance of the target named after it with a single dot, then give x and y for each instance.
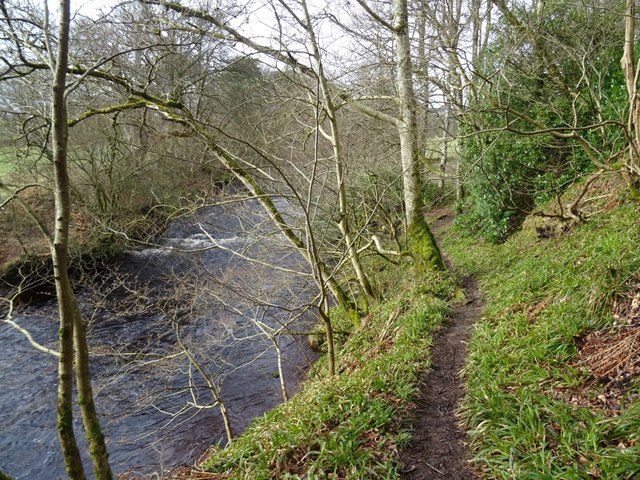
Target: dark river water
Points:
(157, 411)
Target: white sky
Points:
(257, 21)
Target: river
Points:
(197, 283)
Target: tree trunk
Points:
(328, 335)
(422, 76)
(71, 329)
(334, 138)
(423, 247)
(459, 187)
(445, 148)
(93, 431)
(59, 252)
(66, 436)
(283, 383)
(630, 74)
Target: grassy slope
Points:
(531, 412)
(542, 294)
(6, 162)
(350, 426)
(5, 167)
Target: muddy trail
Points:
(438, 450)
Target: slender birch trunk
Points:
(630, 75)
(59, 250)
(334, 138)
(72, 332)
(445, 147)
(423, 246)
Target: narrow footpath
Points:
(438, 450)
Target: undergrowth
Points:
(349, 426)
(531, 410)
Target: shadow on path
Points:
(437, 450)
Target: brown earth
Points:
(438, 450)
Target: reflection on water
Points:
(157, 410)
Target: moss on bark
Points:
(423, 247)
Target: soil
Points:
(438, 449)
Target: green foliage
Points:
(349, 425)
(550, 78)
(4, 476)
(503, 187)
(541, 295)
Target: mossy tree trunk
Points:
(60, 251)
(93, 431)
(72, 332)
(423, 246)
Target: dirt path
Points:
(437, 451)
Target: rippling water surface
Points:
(192, 284)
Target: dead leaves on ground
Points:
(612, 359)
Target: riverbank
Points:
(552, 379)
(26, 275)
(162, 310)
(351, 425)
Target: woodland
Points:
(367, 180)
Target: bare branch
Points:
(375, 15)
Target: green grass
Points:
(7, 161)
(350, 426)
(12, 158)
(540, 294)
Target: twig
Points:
(434, 468)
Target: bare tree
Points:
(424, 248)
(422, 243)
(72, 326)
(334, 137)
